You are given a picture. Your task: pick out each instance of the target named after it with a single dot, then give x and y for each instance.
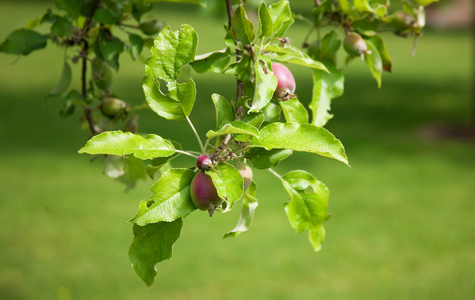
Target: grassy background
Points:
(402, 225)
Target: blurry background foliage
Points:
(402, 225)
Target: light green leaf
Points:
(235, 127)
(172, 51)
(127, 170)
(345, 6)
(264, 159)
(326, 87)
(291, 54)
(265, 85)
(171, 198)
(224, 111)
(375, 62)
(123, 143)
(425, 2)
(266, 25)
(308, 205)
(294, 111)
(228, 182)
(362, 5)
(300, 137)
(281, 17)
(152, 244)
(185, 94)
(212, 62)
(249, 206)
(241, 27)
(23, 42)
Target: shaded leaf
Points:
(249, 206)
(23, 42)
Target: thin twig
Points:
(185, 153)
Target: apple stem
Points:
(185, 153)
(196, 135)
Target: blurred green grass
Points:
(402, 225)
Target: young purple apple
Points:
(204, 194)
(203, 162)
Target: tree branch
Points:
(229, 10)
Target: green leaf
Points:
(127, 170)
(300, 137)
(425, 2)
(152, 244)
(172, 51)
(345, 6)
(63, 84)
(61, 27)
(265, 85)
(224, 111)
(228, 182)
(171, 198)
(123, 143)
(216, 61)
(266, 25)
(23, 42)
(330, 45)
(281, 17)
(379, 44)
(375, 62)
(249, 206)
(111, 48)
(198, 2)
(105, 16)
(176, 104)
(264, 159)
(241, 27)
(326, 86)
(136, 45)
(291, 54)
(72, 7)
(235, 127)
(294, 111)
(308, 205)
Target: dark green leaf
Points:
(300, 137)
(171, 198)
(72, 7)
(152, 244)
(198, 2)
(23, 42)
(105, 16)
(264, 159)
(111, 48)
(136, 45)
(61, 27)
(249, 206)
(123, 143)
(63, 84)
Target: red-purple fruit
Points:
(203, 162)
(204, 194)
(285, 82)
(355, 45)
(246, 173)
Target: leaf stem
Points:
(203, 150)
(185, 153)
(275, 173)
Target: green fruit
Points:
(101, 74)
(113, 108)
(401, 20)
(354, 44)
(204, 194)
(246, 173)
(151, 27)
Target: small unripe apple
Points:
(355, 45)
(285, 82)
(401, 20)
(246, 173)
(271, 112)
(204, 162)
(151, 27)
(113, 107)
(204, 194)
